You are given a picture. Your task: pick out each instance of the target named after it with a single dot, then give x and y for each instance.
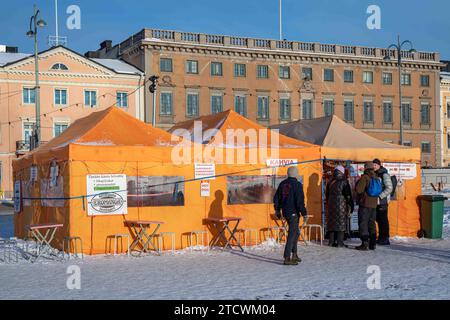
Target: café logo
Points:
(107, 202)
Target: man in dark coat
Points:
(383, 203)
(290, 201)
(339, 204)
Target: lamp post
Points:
(32, 33)
(398, 47)
(153, 88)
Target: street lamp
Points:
(32, 33)
(153, 87)
(399, 47)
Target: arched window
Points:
(60, 66)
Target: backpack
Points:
(375, 188)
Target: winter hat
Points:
(340, 169)
(292, 172)
(377, 161)
(368, 165)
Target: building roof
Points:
(7, 58)
(118, 66)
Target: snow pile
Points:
(446, 232)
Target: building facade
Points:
(72, 87)
(272, 81)
(445, 101)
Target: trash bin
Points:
(432, 216)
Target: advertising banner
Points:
(107, 194)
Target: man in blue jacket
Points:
(290, 201)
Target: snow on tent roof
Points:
(118, 66)
(331, 132)
(6, 57)
(232, 120)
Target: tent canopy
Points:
(340, 140)
(222, 122)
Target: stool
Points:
(9, 248)
(249, 232)
(161, 242)
(73, 241)
(120, 236)
(281, 232)
(201, 233)
(316, 227)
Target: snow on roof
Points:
(118, 66)
(6, 57)
(445, 75)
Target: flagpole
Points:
(281, 25)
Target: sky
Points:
(425, 23)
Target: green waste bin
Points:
(432, 216)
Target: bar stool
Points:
(198, 233)
(73, 241)
(121, 237)
(249, 232)
(316, 227)
(161, 240)
(281, 232)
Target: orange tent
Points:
(342, 142)
(57, 178)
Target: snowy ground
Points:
(410, 269)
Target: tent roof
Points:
(232, 120)
(332, 132)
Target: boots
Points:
(290, 262)
(364, 245)
(332, 238)
(296, 258)
(340, 239)
(373, 242)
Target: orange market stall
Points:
(254, 162)
(342, 143)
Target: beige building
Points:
(72, 87)
(272, 81)
(445, 100)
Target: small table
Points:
(44, 235)
(225, 222)
(141, 237)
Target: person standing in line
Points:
(383, 203)
(339, 204)
(368, 189)
(289, 201)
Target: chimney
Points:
(107, 44)
(6, 49)
(92, 54)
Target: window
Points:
(28, 96)
(192, 66)
(368, 111)
(328, 107)
(59, 128)
(59, 66)
(328, 75)
(60, 97)
(284, 72)
(192, 104)
(216, 69)
(426, 147)
(348, 76)
(307, 110)
(406, 113)
(387, 78)
(216, 103)
(425, 80)
(240, 105)
(28, 128)
(166, 104)
(349, 111)
(240, 70)
(387, 112)
(367, 77)
(448, 141)
(425, 113)
(285, 109)
(262, 71)
(90, 98)
(122, 99)
(406, 79)
(165, 65)
(448, 110)
(263, 108)
(307, 73)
